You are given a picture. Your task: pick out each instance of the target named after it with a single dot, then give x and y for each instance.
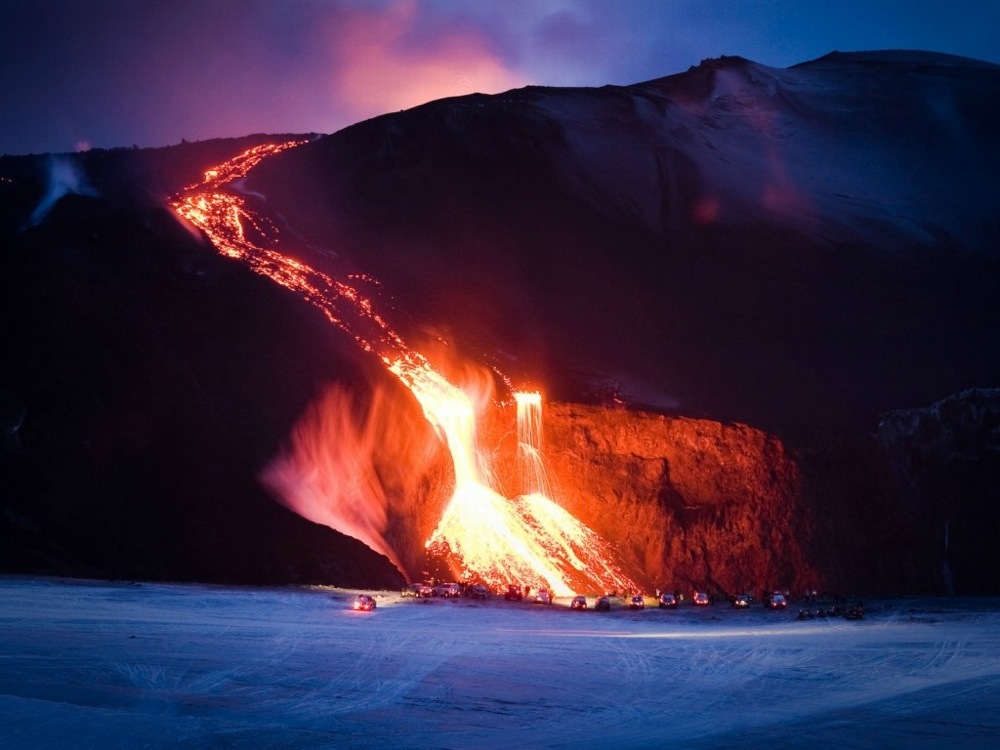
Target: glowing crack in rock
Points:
(482, 535)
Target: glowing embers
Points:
(241, 164)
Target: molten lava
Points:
(482, 535)
(531, 470)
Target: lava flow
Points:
(482, 535)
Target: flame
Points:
(482, 535)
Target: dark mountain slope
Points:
(798, 249)
(146, 381)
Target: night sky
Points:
(76, 74)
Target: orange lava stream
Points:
(485, 536)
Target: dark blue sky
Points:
(104, 73)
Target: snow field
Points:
(93, 664)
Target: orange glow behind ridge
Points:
(482, 535)
(374, 70)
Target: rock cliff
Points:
(688, 503)
(944, 460)
(695, 503)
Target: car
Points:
(700, 599)
(419, 590)
(513, 593)
(447, 590)
(667, 601)
(543, 596)
(364, 603)
(740, 601)
(477, 592)
(775, 600)
(603, 604)
(579, 602)
(637, 602)
(857, 612)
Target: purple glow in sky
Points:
(106, 73)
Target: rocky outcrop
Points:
(692, 503)
(687, 503)
(695, 503)
(945, 463)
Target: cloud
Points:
(389, 59)
(120, 72)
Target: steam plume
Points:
(330, 478)
(65, 176)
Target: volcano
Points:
(734, 282)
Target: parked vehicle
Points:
(513, 593)
(820, 612)
(477, 592)
(447, 590)
(364, 603)
(579, 602)
(637, 602)
(418, 590)
(857, 612)
(775, 600)
(667, 601)
(740, 601)
(700, 599)
(543, 596)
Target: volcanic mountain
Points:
(728, 277)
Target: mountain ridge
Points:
(779, 224)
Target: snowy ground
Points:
(103, 665)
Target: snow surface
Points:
(89, 664)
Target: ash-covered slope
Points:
(796, 248)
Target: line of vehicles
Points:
(668, 600)
(446, 590)
(773, 600)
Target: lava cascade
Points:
(482, 535)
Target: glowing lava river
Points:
(482, 535)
